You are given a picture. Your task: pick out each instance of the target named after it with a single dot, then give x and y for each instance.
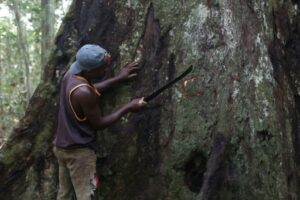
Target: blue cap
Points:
(88, 57)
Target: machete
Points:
(160, 90)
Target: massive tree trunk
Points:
(229, 130)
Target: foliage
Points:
(12, 73)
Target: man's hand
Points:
(137, 104)
(128, 71)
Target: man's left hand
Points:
(128, 71)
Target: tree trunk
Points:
(47, 29)
(23, 47)
(229, 130)
(1, 83)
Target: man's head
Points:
(90, 57)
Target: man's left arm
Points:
(127, 72)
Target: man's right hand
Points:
(137, 104)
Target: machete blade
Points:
(169, 84)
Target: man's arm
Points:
(104, 85)
(88, 102)
(127, 72)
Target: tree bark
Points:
(229, 130)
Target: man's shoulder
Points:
(84, 94)
(84, 91)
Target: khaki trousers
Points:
(77, 171)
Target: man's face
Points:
(100, 72)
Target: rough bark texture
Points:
(230, 130)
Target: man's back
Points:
(72, 130)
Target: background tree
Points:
(47, 28)
(23, 47)
(14, 95)
(230, 130)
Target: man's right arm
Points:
(89, 105)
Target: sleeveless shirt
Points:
(73, 131)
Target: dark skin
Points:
(85, 101)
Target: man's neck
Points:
(85, 75)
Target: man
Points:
(80, 116)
